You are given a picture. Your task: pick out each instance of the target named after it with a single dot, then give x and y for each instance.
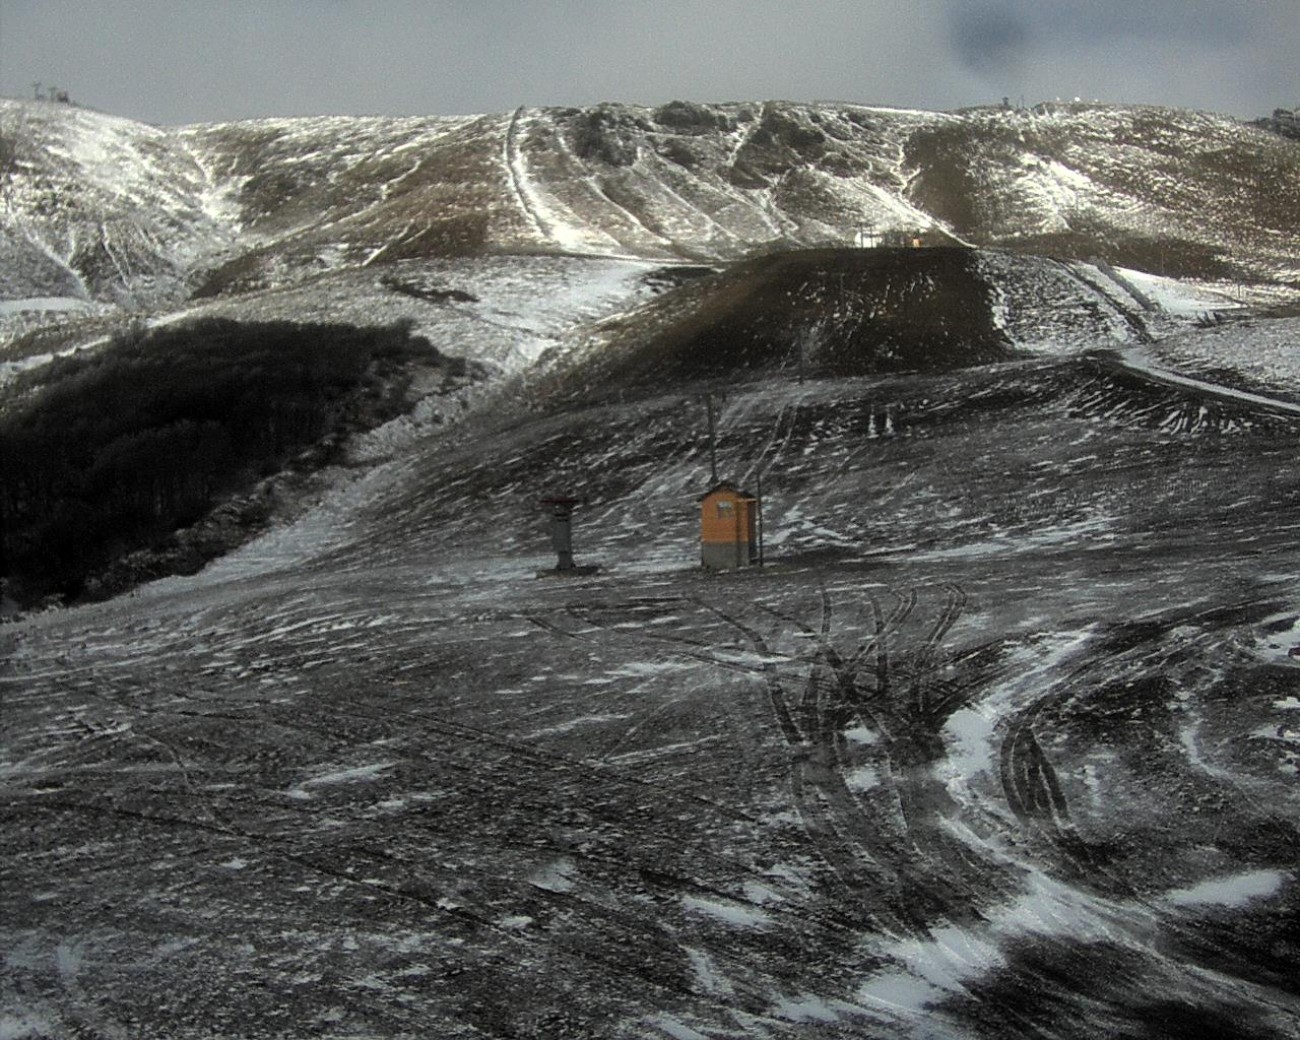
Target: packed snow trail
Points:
(1137, 359)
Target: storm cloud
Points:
(989, 38)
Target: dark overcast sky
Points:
(182, 61)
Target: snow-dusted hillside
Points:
(1000, 742)
(102, 209)
(95, 209)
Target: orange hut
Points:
(728, 528)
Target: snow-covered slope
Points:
(96, 208)
(102, 209)
(1000, 743)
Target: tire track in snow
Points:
(518, 178)
(952, 610)
(764, 461)
(846, 825)
(1130, 317)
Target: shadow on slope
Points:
(824, 312)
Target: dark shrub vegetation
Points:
(608, 134)
(689, 118)
(104, 453)
(823, 312)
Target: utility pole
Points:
(713, 438)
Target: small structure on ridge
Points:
(728, 528)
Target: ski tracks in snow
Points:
(518, 177)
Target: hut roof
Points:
(726, 485)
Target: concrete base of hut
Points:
(725, 556)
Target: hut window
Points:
(725, 510)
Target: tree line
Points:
(108, 451)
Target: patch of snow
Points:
(347, 776)
(1052, 908)
(898, 991)
(689, 746)
(555, 877)
(675, 1028)
(734, 914)
(862, 778)
(9, 369)
(542, 211)
(1177, 297)
(805, 1008)
(969, 736)
(761, 894)
(861, 735)
(951, 956)
(1235, 890)
(643, 669)
(935, 969)
(791, 876)
(707, 975)
(747, 658)
(1000, 309)
(43, 304)
(69, 959)
(572, 724)
(1275, 642)
(1075, 534)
